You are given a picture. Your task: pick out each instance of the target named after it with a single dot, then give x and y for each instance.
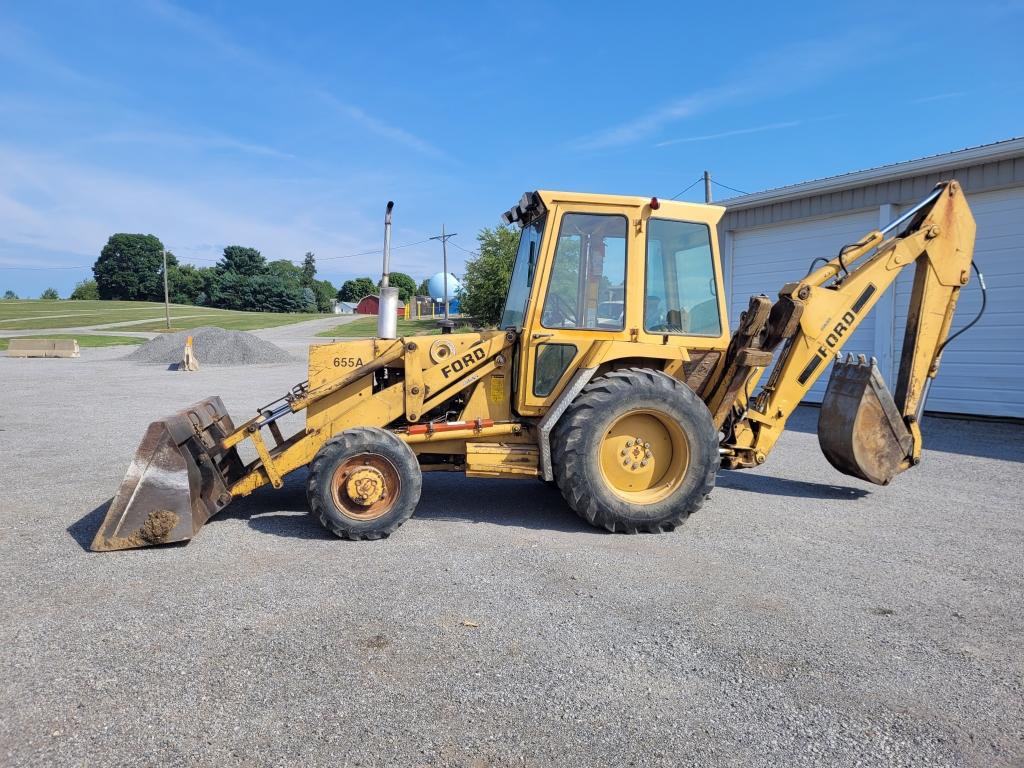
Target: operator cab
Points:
(609, 268)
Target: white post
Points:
(167, 300)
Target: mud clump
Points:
(212, 346)
(158, 525)
(155, 530)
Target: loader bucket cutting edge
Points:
(177, 481)
(860, 429)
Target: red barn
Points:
(368, 305)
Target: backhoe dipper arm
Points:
(816, 316)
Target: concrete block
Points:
(43, 348)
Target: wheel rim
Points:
(365, 486)
(644, 456)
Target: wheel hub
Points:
(636, 454)
(366, 486)
(644, 455)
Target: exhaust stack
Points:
(387, 310)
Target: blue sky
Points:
(287, 126)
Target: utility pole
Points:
(444, 250)
(167, 300)
(707, 186)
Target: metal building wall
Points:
(983, 371)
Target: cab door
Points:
(581, 298)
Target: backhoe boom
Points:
(815, 317)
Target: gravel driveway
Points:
(801, 618)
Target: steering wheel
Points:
(667, 326)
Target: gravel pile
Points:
(212, 346)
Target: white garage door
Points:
(765, 258)
(982, 372)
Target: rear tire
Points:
(363, 484)
(636, 451)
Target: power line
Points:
(43, 269)
(698, 181)
(375, 251)
(730, 188)
(444, 238)
(214, 261)
(466, 250)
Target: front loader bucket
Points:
(177, 481)
(860, 429)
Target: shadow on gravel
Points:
(446, 496)
(985, 438)
(1003, 440)
(277, 512)
(523, 503)
(778, 486)
(84, 529)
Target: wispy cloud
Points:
(282, 219)
(938, 97)
(726, 134)
(208, 32)
(375, 125)
(650, 123)
(784, 71)
(18, 47)
(190, 141)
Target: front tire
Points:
(636, 451)
(363, 484)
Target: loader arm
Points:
(864, 431)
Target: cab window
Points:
(681, 296)
(587, 283)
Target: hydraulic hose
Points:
(984, 302)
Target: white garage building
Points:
(769, 238)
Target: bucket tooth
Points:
(177, 481)
(860, 429)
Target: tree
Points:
(10, 295)
(261, 293)
(130, 268)
(309, 298)
(50, 294)
(308, 269)
(487, 276)
(243, 261)
(271, 293)
(185, 283)
(325, 295)
(287, 271)
(354, 290)
(406, 285)
(423, 289)
(85, 291)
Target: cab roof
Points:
(670, 209)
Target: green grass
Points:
(30, 315)
(366, 328)
(84, 340)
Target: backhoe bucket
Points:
(860, 429)
(177, 481)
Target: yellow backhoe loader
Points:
(612, 373)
